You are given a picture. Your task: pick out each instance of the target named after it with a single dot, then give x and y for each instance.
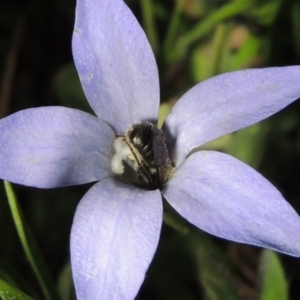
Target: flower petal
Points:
(225, 197)
(54, 146)
(115, 63)
(113, 240)
(227, 103)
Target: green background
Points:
(192, 40)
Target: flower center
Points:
(142, 156)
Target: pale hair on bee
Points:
(142, 156)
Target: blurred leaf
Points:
(264, 12)
(68, 89)
(215, 272)
(273, 283)
(203, 27)
(12, 276)
(8, 292)
(65, 283)
(248, 144)
(174, 220)
(196, 8)
(220, 144)
(6, 276)
(295, 18)
(30, 247)
(245, 55)
(206, 58)
(219, 47)
(232, 48)
(216, 276)
(164, 110)
(172, 29)
(174, 270)
(149, 23)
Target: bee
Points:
(142, 156)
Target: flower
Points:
(117, 225)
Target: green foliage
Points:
(8, 292)
(30, 247)
(273, 283)
(192, 41)
(68, 89)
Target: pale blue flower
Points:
(117, 225)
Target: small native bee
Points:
(142, 156)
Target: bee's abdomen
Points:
(141, 136)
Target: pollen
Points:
(121, 148)
(117, 165)
(122, 151)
